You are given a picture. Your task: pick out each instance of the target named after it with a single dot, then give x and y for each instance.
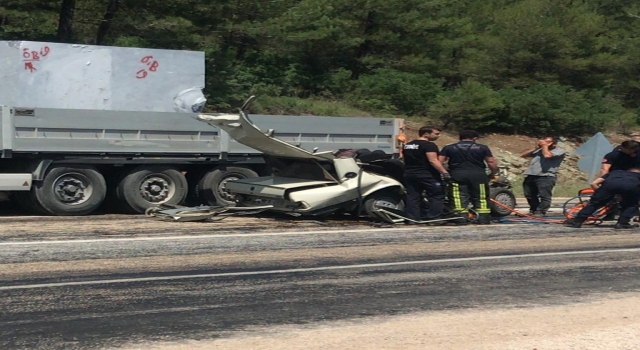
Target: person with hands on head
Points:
(540, 176)
(467, 162)
(623, 183)
(423, 172)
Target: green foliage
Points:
(394, 91)
(471, 105)
(553, 109)
(309, 106)
(527, 66)
(37, 18)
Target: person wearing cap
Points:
(540, 176)
(467, 162)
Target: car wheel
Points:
(383, 199)
(505, 197)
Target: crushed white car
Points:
(311, 183)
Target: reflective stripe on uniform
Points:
(484, 206)
(457, 198)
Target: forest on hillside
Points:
(567, 67)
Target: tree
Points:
(65, 21)
(471, 105)
(110, 13)
(512, 65)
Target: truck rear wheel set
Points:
(147, 186)
(82, 189)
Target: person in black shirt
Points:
(624, 183)
(422, 173)
(470, 182)
(623, 157)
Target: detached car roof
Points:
(242, 129)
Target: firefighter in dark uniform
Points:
(467, 162)
(622, 157)
(423, 172)
(624, 183)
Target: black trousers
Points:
(415, 207)
(603, 195)
(538, 190)
(470, 186)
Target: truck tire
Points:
(503, 196)
(70, 190)
(211, 188)
(26, 202)
(149, 186)
(383, 199)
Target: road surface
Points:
(128, 282)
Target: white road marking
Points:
(314, 269)
(260, 234)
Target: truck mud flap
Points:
(201, 213)
(395, 216)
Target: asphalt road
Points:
(97, 283)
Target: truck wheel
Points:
(211, 187)
(503, 196)
(148, 186)
(383, 199)
(25, 200)
(70, 190)
(193, 197)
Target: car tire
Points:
(383, 199)
(505, 197)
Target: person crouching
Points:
(624, 183)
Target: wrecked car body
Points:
(312, 183)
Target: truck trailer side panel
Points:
(64, 131)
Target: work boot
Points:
(623, 223)
(619, 226)
(460, 221)
(456, 219)
(539, 213)
(574, 222)
(483, 219)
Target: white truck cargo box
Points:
(71, 76)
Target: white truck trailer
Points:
(82, 125)
(68, 161)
